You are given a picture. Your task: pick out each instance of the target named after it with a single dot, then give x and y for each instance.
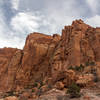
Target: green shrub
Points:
(49, 86)
(33, 90)
(74, 90)
(82, 66)
(35, 84)
(71, 67)
(30, 86)
(92, 63)
(40, 82)
(96, 79)
(87, 64)
(10, 93)
(77, 68)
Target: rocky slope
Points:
(48, 62)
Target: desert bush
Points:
(49, 86)
(96, 79)
(92, 63)
(74, 90)
(40, 82)
(33, 90)
(77, 68)
(71, 67)
(35, 84)
(30, 86)
(87, 64)
(10, 93)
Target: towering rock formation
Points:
(79, 44)
(44, 57)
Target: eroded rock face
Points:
(36, 54)
(45, 57)
(31, 64)
(79, 44)
(6, 54)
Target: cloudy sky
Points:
(18, 18)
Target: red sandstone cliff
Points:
(47, 58)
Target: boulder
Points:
(53, 94)
(59, 85)
(11, 98)
(85, 80)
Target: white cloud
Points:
(15, 4)
(93, 5)
(15, 34)
(91, 2)
(59, 15)
(14, 42)
(4, 30)
(24, 23)
(55, 23)
(94, 21)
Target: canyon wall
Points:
(47, 57)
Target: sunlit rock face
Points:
(47, 57)
(6, 54)
(79, 44)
